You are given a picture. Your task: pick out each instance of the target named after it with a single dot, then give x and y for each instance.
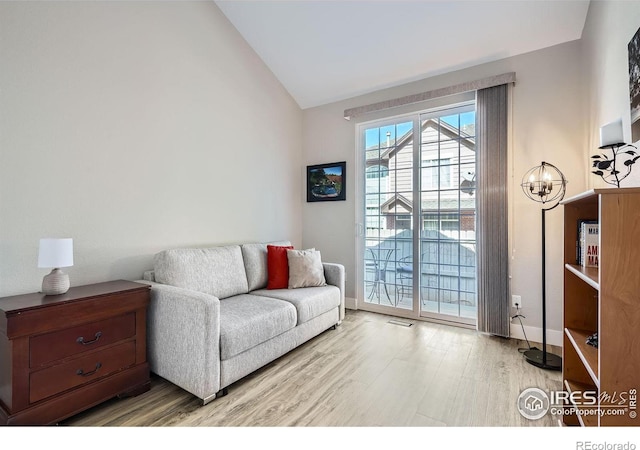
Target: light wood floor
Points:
(368, 372)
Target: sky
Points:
(333, 171)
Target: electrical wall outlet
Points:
(516, 299)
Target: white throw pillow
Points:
(305, 268)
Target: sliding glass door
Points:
(448, 209)
(388, 221)
(417, 252)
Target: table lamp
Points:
(55, 253)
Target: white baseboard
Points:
(534, 334)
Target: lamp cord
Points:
(520, 317)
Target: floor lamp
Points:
(547, 185)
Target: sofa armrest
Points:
(334, 274)
(149, 275)
(183, 338)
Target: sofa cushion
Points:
(309, 302)
(305, 269)
(255, 263)
(248, 320)
(218, 271)
(277, 266)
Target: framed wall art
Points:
(326, 182)
(634, 85)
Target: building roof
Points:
(448, 130)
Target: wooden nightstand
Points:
(62, 354)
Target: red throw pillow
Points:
(278, 266)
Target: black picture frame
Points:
(634, 85)
(327, 182)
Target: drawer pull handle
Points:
(82, 373)
(81, 340)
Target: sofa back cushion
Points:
(305, 269)
(255, 263)
(278, 266)
(217, 271)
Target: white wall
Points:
(133, 127)
(548, 124)
(609, 28)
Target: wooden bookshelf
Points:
(589, 414)
(605, 300)
(588, 274)
(587, 354)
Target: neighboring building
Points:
(447, 184)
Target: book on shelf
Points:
(580, 239)
(589, 244)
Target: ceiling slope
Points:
(325, 51)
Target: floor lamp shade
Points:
(55, 253)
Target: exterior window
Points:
(441, 222)
(430, 179)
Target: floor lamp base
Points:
(535, 357)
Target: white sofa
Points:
(211, 320)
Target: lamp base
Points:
(535, 357)
(56, 283)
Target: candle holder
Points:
(607, 168)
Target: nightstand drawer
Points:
(51, 347)
(59, 378)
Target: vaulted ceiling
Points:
(325, 51)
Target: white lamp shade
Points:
(55, 253)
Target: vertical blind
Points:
(492, 219)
